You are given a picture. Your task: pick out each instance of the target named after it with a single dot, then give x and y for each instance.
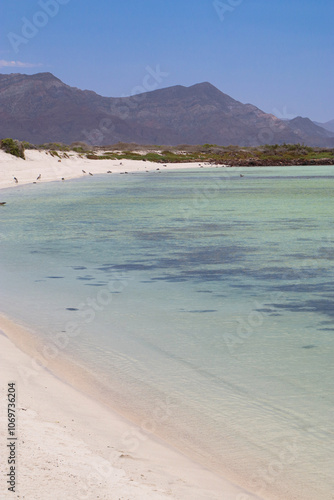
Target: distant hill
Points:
(41, 108)
(313, 133)
(327, 125)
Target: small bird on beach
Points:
(62, 178)
(109, 172)
(84, 171)
(15, 179)
(242, 175)
(2, 203)
(38, 178)
(90, 173)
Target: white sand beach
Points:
(53, 168)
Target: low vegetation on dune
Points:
(267, 155)
(13, 147)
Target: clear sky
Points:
(275, 54)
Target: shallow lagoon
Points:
(202, 304)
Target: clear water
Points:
(201, 302)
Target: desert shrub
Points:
(28, 145)
(54, 146)
(54, 153)
(154, 157)
(93, 156)
(208, 146)
(130, 156)
(80, 147)
(13, 147)
(123, 146)
(316, 155)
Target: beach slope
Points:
(70, 446)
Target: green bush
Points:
(27, 145)
(80, 147)
(54, 153)
(13, 147)
(54, 146)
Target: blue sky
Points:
(275, 54)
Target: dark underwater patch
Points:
(127, 267)
(95, 284)
(154, 235)
(306, 288)
(320, 306)
(201, 311)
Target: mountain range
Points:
(41, 108)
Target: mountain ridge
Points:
(327, 125)
(41, 108)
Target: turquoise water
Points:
(201, 303)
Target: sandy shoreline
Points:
(53, 168)
(70, 446)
